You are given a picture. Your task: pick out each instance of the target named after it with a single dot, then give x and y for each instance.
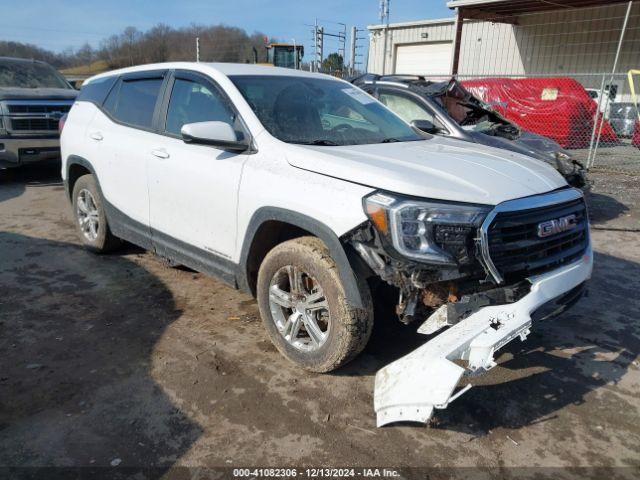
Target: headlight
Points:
(427, 231)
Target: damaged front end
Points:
(476, 274)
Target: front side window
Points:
(133, 101)
(193, 102)
(317, 111)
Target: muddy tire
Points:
(304, 308)
(90, 219)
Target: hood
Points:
(528, 143)
(437, 168)
(14, 93)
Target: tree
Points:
(131, 39)
(25, 50)
(155, 44)
(218, 43)
(333, 63)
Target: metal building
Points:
(514, 37)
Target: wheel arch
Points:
(76, 167)
(270, 226)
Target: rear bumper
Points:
(410, 388)
(19, 151)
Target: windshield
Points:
(284, 56)
(317, 111)
(30, 75)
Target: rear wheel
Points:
(304, 307)
(91, 221)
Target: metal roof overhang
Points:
(508, 10)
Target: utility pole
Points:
(318, 46)
(197, 49)
(315, 46)
(342, 39)
(384, 19)
(295, 55)
(318, 43)
(353, 61)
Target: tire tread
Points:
(357, 322)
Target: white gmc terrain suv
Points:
(305, 191)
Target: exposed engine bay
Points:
(448, 294)
(470, 113)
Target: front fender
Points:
(311, 225)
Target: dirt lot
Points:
(120, 360)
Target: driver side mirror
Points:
(426, 126)
(216, 134)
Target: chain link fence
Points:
(593, 116)
(563, 74)
(560, 71)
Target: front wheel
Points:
(304, 308)
(90, 217)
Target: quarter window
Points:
(193, 102)
(134, 101)
(97, 90)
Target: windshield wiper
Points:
(320, 141)
(390, 140)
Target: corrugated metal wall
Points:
(558, 42)
(434, 31)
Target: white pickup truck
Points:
(303, 191)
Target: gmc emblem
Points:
(558, 225)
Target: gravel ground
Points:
(118, 360)
(623, 158)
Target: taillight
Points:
(61, 122)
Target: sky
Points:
(56, 25)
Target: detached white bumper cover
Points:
(412, 386)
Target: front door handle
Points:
(160, 153)
(96, 136)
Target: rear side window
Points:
(133, 101)
(193, 102)
(96, 91)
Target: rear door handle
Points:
(160, 153)
(96, 136)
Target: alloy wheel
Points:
(299, 308)
(87, 214)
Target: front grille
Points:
(37, 108)
(31, 116)
(34, 124)
(516, 249)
